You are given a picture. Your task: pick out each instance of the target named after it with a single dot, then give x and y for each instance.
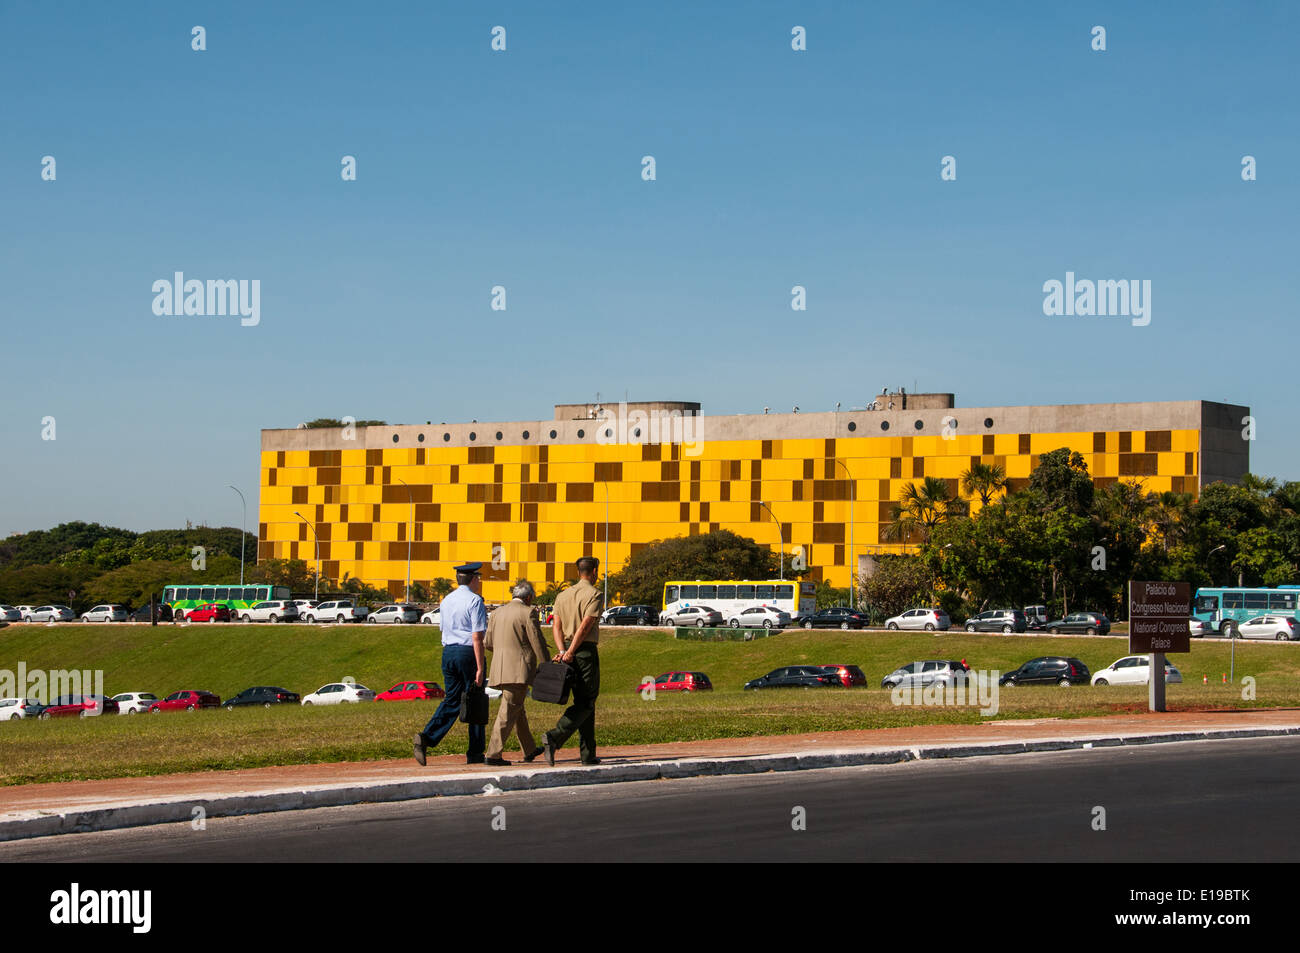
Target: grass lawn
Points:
(227, 659)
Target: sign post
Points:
(1158, 614)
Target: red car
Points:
(406, 691)
(186, 701)
(679, 682)
(850, 675)
(209, 612)
(82, 706)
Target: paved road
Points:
(1196, 801)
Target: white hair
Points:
(523, 590)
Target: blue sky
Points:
(522, 168)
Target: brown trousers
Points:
(511, 717)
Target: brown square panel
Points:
(895, 468)
(918, 467)
(808, 469)
(1024, 443)
(724, 492)
(1126, 441)
(1099, 441)
(1159, 441)
(270, 477)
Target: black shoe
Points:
(474, 760)
(548, 749)
(530, 758)
(497, 762)
(419, 750)
(591, 761)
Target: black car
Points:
(262, 695)
(998, 620)
(1048, 670)
(840, 617)
(1087, 623)
(797, 676)
(631, 615)
(163, 610)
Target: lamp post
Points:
(853, 495)
(780, 534)
(606, 482)
(410, 533)
(317, 538)
(242, 532)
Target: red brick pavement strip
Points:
(80, 796)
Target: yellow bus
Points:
(731, 595)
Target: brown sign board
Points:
(1158, 615)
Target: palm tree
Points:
(985, 480)
(921, 509)
(1169, 517)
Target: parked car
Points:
(678, 682)
(411, 691)
(338, 693)
(187, 700)
(1133, 670)
(1086, 623)
(1200, 629)
(24, 612)
(208, 612)
(80, 706)
(796, 676)
(340, 610)
(396, 614)
(928, 620)
(1036, 617)
(692, 615)
(16, 709)
(1279, 627)
(272, 611)
(998, 620)
(432, 617)
(927, 672)
(105, 613)
(839, 617)
(263, 695)
(1048, 670)
(133, 703)
(10, 614)
(849, 675)
(163, 611)
(303, 605)
(759, 617)
(49, 614)
(630, 615)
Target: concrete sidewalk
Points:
(36, 810)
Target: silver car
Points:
(105, 613)
(50, 614)
(397, 613)
(692, 615)
(928, 620)
(10, 614)
(764, 617)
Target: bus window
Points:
(280, 592)
(192, 594)
(708, 592)
(726, 592)
(764, 593)
(745, 593)
(1281, 601)
(1232, 600)
(690, 592)
(207, 593)
(169, 594)
(1256, 600)
(785, 592)
(223, 592)
(1207, 603)
(670, 595)
(250, 594)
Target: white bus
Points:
(732, 595)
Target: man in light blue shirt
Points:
(464, 623)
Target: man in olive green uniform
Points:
(515, 640)
(577, 629)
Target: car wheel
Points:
(929, 627)
(15, 717)
(45, 716)
(844, 626)
(83, 714)
(1006, 630)
(1101, 681)
(734, 623)
(970, 628)
(310, 619)
(1090, 631)
(1064, 683)
(155, 711)
(85, 618)
(133, 711)
(339, 619)
(1228, 629)
(267, 705)
(1282, 637)
(807, 625)
(306, 704)
(893, 627)
(767, 623)
(1055, 630)
(371, 620)
(178, 616)
(699, 623)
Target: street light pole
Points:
(780, 535)
(317, 538)
(410, 533)
(242, 532)
(606, 482)
(853, 566)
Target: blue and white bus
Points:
(1224, 608)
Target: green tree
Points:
(985, 480)
(718, 555)
(898, 583)
(1062, 478)
(920, 509)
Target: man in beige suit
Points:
(514, 638)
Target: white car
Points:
(10, 614)
(272, 611)
(1133, 670)
(339, 693)
(1279, 627)
(432, 617)
(929, 620)
(1200, 629)
(12, 709)
(396, 614)
(340, 610)
(105, 613)
(50, 614)
(134, 703)
(303, 606)
(764, 617)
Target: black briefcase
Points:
(474, 706)
(553, 682)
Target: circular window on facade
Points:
(498, 434)
(988, 421)
(472, 435)
(552, 434)
(919, 425)
(581, 434)
(884, 425)
(446, 437)
(394, 438)
(525, 434)
(852, 426)
(420, 438)
(608, 432)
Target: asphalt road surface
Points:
(1196, 801)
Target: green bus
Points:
(234, 596)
